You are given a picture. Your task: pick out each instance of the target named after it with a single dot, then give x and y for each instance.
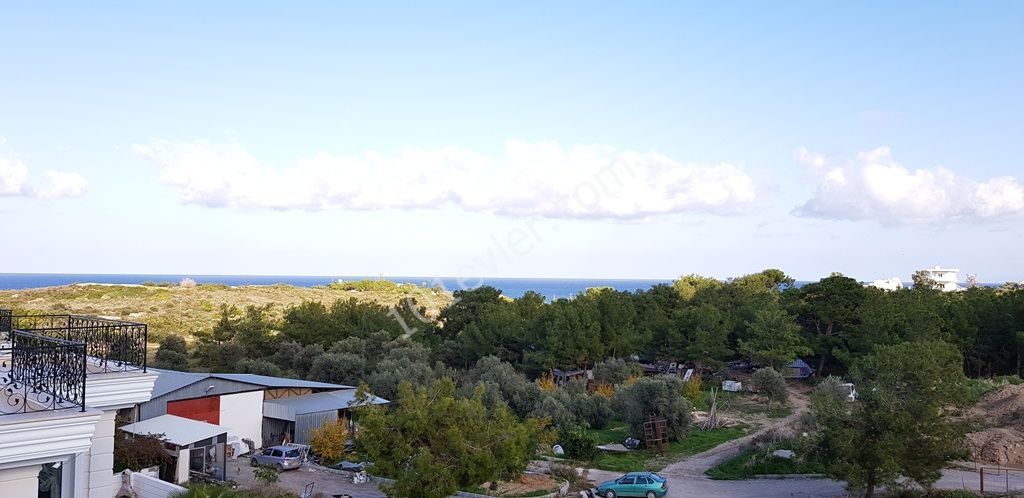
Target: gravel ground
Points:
(324, 482)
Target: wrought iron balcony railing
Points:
(110, 345)
(39, 373)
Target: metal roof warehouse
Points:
(298, 415)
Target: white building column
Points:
(20, 482)
(183, 464)
(101, 458)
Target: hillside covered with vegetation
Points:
(185, 309)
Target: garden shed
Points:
(196, 446)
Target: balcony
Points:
(110, 345)
(47, 361)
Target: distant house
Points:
(945, 279)
(799, 369)
(890, 284)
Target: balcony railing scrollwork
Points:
(44, 359)
(110, 345)
(39, 373)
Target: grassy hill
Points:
(172, 308)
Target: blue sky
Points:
(458, 139)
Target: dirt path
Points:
(697, 464)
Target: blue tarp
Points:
(800, 368)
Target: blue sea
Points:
(552, 288)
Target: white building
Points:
(890, 284)
(946, 279)
(63, 379)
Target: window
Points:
(267, 452)
(627, 480)
(643, 480)
(276, 453)
(292, 454)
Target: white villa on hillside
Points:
(946, 279)
(63, 379)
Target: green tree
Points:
(434, 443)
(900, 424)
(688, 286)
(774, 338)
(827, 309)
(708, 335)
(172, 354)
(658, 397)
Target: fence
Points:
(111, 345)
(1000, 480)
(39, 373)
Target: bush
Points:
(266, 475)
(692, 388)
(172, 353)
(138, 452)
(328, 440)
(553, 408)
(223, 491)
(615, 371)
(770, 384)
(594, 410)
(661, 397)
(578, 444)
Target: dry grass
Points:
(185, 310)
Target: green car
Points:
(646, 484)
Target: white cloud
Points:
(62, 185)
(543, 178)
(14, 181)
(875, 186)
(13, 176)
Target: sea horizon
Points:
(550, 287)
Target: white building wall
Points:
(20, 482)
(146, 486)
(242, 415)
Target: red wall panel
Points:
(201, 409)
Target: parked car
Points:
(280, 457)
(645, 484)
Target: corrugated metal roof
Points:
(289, 408)
(177, 430)
(281, 382)
(172, 380)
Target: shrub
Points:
(770, 384)
(554, 409)
(266, 475)
(329, 440)
(577, 443)
(568, 473)
(605, 389)
(594, 410)
(172, 353)
(660, 397)
(692, 388)
(138, 452)
(546, 382)
(615, 371)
